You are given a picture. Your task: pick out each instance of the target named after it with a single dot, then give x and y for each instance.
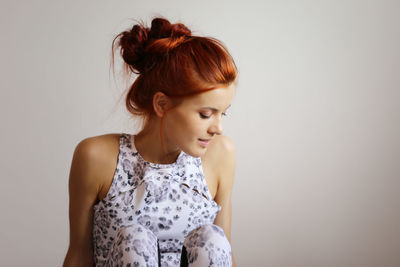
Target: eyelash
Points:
(207, 117)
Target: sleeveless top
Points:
(169, 199)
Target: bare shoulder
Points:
(97, 144)
(92, 164)
(223, 153)
(98, 157)
(220, 154)
(225, 143)
(220, 145)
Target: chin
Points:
(196, 153)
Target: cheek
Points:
(190, 124)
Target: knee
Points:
(208, 233)
(208, 245)
(205, 233)
(134, 244)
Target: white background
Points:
(315, 119)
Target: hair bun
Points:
(162, 28)
(133, 44)
(141, 45)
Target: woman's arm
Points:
(226, 166)
(83, 190)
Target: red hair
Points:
(169, 59)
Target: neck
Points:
(148, 144)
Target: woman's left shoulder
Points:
(221, 153)
(223, 144)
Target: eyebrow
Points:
(214, 109)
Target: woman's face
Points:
(196, 119)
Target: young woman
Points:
(161, 197)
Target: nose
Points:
(216, 127)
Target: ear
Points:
(161, 103)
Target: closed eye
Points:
(204, 116)
(207, 117)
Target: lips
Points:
(204, 142)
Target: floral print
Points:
(207, 245)
(134, 245)
(151, 209)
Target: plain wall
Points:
(315, 120)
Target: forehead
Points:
(219, 98)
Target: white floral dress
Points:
(158, 215)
